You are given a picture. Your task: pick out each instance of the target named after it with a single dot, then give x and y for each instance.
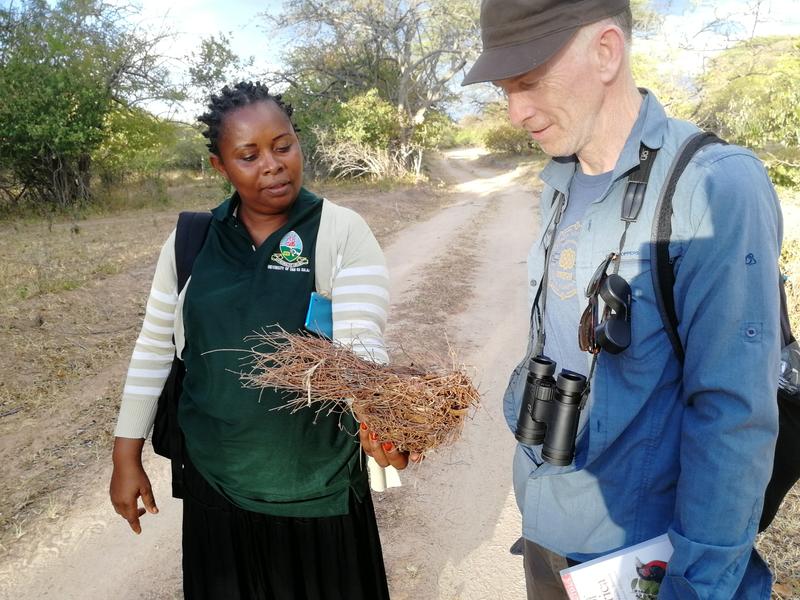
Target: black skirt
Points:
(233, 554)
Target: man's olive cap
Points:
(520, 35)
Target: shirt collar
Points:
(648, 129)
(229, 209)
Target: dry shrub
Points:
(352, 159)
(778, 546)
(790, 267)
(417, 409)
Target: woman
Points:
(276, 504)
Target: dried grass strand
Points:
(417, 409)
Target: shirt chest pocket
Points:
(646, 327)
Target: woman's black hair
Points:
(231, 98)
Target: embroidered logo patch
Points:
(565, 252)
(750, 259)
(291, 252)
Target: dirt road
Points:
(456, 278)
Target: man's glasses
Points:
(586, 331)
(612, 332)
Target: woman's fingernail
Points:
(373, 436)
(387, 446)
(363, 426)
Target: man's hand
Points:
(385, 453)
(129, 482)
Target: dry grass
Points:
(418, 409)
(387, 207)
(778, 545)
(43, 257)
(790, 266)
(71, 300)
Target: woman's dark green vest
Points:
(261, 458)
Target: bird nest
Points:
(416, 409)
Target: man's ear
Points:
(218, 165)
(610, 52)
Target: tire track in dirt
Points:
(447, 531)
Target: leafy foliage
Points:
(790, 267)
(499, 135)
(64, 70)
(358, 139)
(646, 20)
(189, 150)
(751, 95)
(435, 130)
(134, 141)
(361, 138)
(396, 56)
(655, 75)
(215, 65)
(368, 119)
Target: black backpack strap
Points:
(190, 235)
(786, 328)
(661, 267)
(786, 467)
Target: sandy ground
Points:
(446, 532)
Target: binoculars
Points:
(613, 334)
(550, 410)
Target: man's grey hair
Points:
(624, 21)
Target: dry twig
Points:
(417, 409)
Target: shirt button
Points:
(533, 283)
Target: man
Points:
(662, 445)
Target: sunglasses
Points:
(587, 338)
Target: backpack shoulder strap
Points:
(786, 329)
(661, 266)
(190, 235)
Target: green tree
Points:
(499, 135)
(134, 141)
(750, 94)
(63, 70)
(367, 119)
(657, 75)
(189, 152)
(646, 20)
(408, 51)
(215, 65)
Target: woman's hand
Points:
(129, 482)
(385, 453)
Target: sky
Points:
(685, 34)
(192, 20)
(683, 38)
(242, 21)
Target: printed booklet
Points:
(633, 573)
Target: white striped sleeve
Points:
(152, 355)
(360, 294)
(359, 288)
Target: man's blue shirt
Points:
(662, 447)
(564, 300)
